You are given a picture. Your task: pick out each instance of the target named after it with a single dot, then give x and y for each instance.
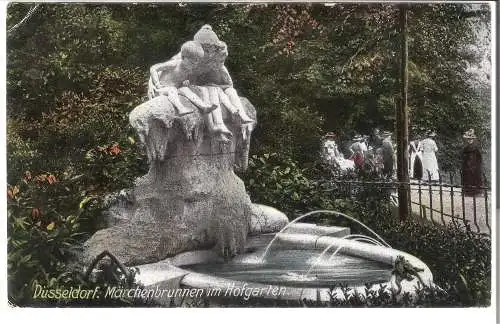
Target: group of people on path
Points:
(424, 165)
(377, 153)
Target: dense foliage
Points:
(75, 71)
(306, 67)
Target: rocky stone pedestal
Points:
(190, 198)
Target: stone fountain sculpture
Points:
(191, 197)
(196, 131)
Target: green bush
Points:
(21, 153)
(276, 180)
(49, 214)
(40, 239)
(60, 167)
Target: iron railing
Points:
(440, 202)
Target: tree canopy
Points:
(76, 70)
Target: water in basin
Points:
(289, 268)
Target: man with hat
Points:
(430, 166)
(387, 155)
(376, 138)
(472, 173)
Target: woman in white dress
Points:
(429, 161)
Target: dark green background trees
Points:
(308, 68)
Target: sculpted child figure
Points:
(217, 80)
(172, 77)
(212, 90)
(200, 66)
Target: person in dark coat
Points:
(376, 139)
(472, 172)
(417, 168)
(415, 160)
(387, 155)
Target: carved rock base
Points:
(190, 198)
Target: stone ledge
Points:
(169, 276)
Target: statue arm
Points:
(156, 70)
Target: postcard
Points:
(244, 155)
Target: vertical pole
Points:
(430, 196)
(402, 118)
(452, 194)
(463, 197)
(420, 196)
(485, 189)
(475, 212)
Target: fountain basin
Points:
(203, 273)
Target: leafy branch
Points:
(28, 15)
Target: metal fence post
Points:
(430, 195)
(441, 197)
(463, 198)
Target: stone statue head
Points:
(206, 36)
(215, 49)
(191, 53)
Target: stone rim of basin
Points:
(170, 268)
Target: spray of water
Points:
(316, 212)
(319, 259)
(359, 237)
